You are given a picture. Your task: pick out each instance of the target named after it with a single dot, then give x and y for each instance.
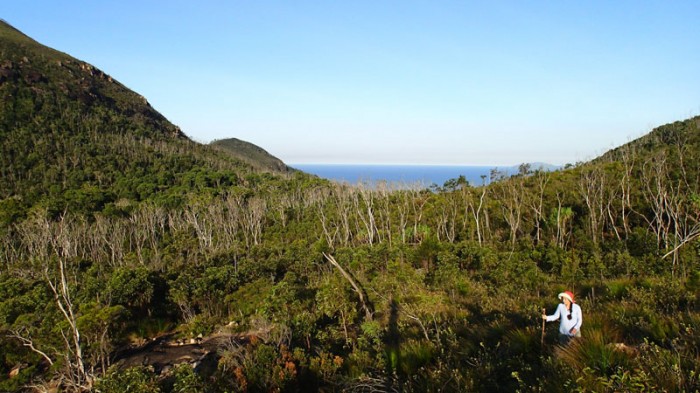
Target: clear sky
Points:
(423, 82)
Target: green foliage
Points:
(619, 289)
(135, 379)
(187, 381)
(596, 352)
(416, 355)
(20, 381)
(667, 370)
(252, 154)
(11, 210)
(267, 368)
(131, 287)
(18, 297)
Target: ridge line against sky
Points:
(396, 82)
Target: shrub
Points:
(187, 381)
(669, 369)
(595, 351)
(133, 380)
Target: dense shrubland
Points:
(433, 289)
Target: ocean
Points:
(407, 175)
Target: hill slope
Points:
(32, 73)
(681, 134)
(252, 154)
(73, 138)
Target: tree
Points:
(131, 287)
(476, 208)
(77, 373)
(333, 301)
(134, 379)
(364, 302)
(541, 178)
(511, 196)
(591, 189)
(562, 218)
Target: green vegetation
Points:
(253, 155)
(116, 230)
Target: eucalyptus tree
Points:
(591, 188)
(536, 203)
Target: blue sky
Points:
(394, 82)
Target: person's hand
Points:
(572, 331)
(544, 316)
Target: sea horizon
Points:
(425, 175)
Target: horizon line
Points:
(421, 164)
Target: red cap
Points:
(567, 294)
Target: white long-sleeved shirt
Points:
(567, 324)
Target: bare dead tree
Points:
(34, 235)
(418, 202)
(341, 196)
(138, 234)
(384, 193)
(684, 219)
(450, 213)
(511, 196)
(445, 226)
(230, 221)
(611, 196)
(54, 245)
(199, 218)
(655, 192)
(154, 222)
(564, 216)
(358, 290)
(8, 253)
(476, 209)
(282, 202)
(466, 198)
(23, 336)
(330, 230)
(253, 213)
(403, 205)
(628, 158)
(363, 201)
(76, 371)
(591, 185)
(97, 249)
(541, 178)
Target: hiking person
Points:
(570, 317)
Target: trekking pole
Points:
(543, 321)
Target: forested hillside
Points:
(121, 239)
(253, 155)
(75, 139)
